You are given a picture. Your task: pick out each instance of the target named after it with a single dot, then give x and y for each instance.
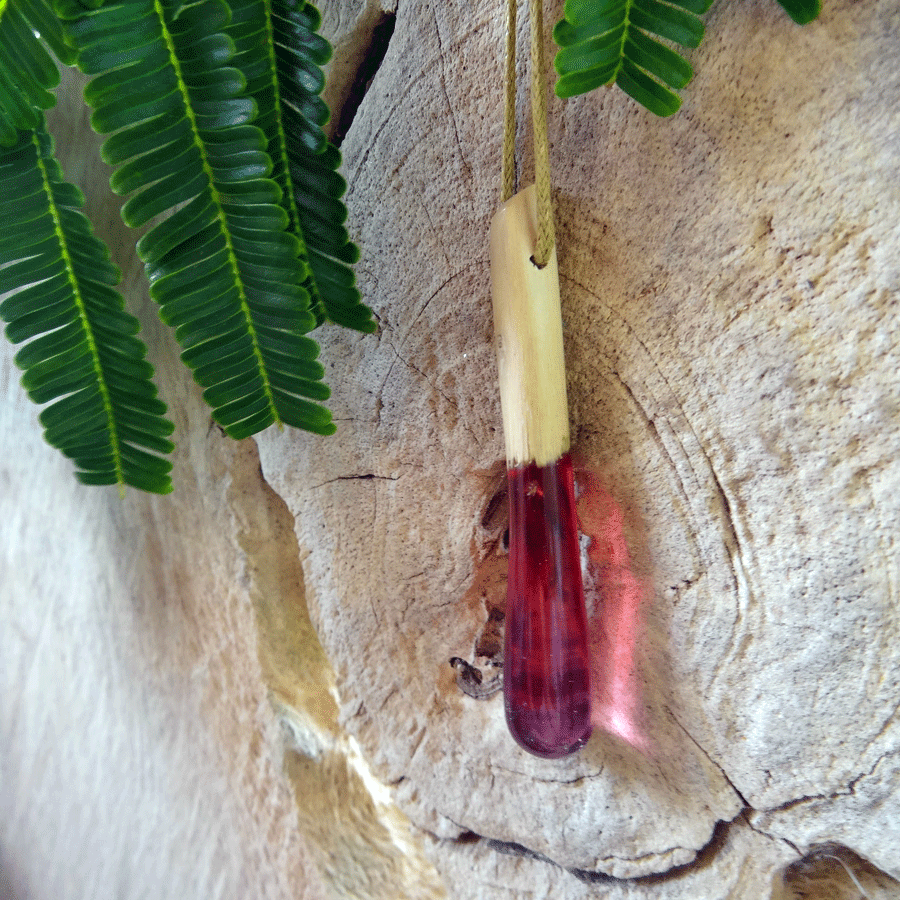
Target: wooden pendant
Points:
(546, 666)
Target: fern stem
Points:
(114, 441)
(285, 182)
(286, 185)
(221, 216)
(625, 30)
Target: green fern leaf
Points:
(313, 166)
(291, 114)
(27, 71)
(225, 272)
(615, 41)
(82, 356)
(802, 11)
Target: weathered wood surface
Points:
(730, 291)
(138, 749)
(152, 652)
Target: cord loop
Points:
(546, 237)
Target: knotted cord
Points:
(546, 237)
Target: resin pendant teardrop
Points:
(546, 667)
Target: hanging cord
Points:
(508, 175)
(546, 237)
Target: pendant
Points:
(546, 663)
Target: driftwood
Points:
(171, 725)
(730, 289)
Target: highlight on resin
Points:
(617, 700)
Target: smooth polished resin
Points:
(546, 666)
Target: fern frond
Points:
(612, 41)
(317, 185)
(802, 11)
(27, 71)
(225, 272)
(82, 354)
(291, 114)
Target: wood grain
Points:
(528, 337)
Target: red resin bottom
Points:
(546, 665)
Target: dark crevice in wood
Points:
(705, 857)
(371, 62)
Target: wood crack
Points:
(848, 791)
(703, 857)
(724, 774)
(366, 476)
(443, 80)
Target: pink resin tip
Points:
(546, 663)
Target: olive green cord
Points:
(546, 237)
(508, 178)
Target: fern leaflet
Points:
(225, 272)
(802, 11)
(612, 41)
(291, 114)
(615, 42)
(27, 71)
(82, 356)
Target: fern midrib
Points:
(290, 198)
(220, 212)
(115, 443)
(628, 5)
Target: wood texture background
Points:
(171, 725)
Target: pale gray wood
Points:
(730, 289)
(153, 653)
(139, 755)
